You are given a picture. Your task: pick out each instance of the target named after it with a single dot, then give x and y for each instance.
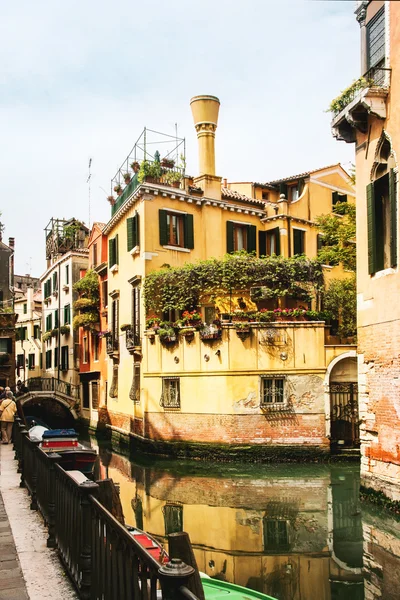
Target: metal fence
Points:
(51, 384)
(103, 560)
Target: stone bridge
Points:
(49, 390)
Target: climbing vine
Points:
(183, 288)
(88, 301)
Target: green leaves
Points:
(183, 288)
(339, 235)
(341, 301)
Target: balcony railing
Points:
(112, 345)
(132, 339)
(377, 77)
(51, 384)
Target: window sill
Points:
(177, 248)
(114, 269)
(135, 250)
(384, 273)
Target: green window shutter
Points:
(162, 221)
(371, 229)
(49, 290)
(320, 242)
(298, 241)
(55, 286)
(56, 318)
(188, 231)
(393, 219)
(277, 241)
(50, 322)
(111, 252)
(283, 189)
(116, 249)
(56, 357)
(251, 238)
(335, 198)
(136, 231)
(129, 233)
(229, 236)
(262, 243)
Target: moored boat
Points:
(74, 456)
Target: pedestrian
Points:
(2, 393)
(8, 408)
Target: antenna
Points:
(176, 137)
(88, 182)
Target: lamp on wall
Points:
(218, 353)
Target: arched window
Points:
(382, 209)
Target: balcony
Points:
(366, 96)
(112, 346)
(132, 340)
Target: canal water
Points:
(296, 532)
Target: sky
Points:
(80, 79)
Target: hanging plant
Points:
(65, 329)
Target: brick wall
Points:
(379, 397)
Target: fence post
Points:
(86, 488)
(173, 576)
(17, 420)
(19, 446)
(53, 458)
(24, 434)
(34, 505)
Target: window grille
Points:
(170, 397)
(272, 390)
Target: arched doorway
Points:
(343, 394)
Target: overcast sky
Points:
(81, 79)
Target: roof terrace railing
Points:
(376, 77)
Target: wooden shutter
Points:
(371, 229)
(283, 189)
(188, 231)
(335, 199)
(136, 232)
(162, 222)
(9, 346)
(393, 219)
(277, 241)
(111, 253)
(56, 318)
(229, 237)
(129, 233)
(116, 249)
(251, 238)
(298, 238)
(262, 243)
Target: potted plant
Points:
(167, 335)
(127, 178)
(167, 163)
(64, 329)
(210, 332)
(242, 327)
(111, 200)
(153, 323)
(125, 326)
(118, 189)
(54, 332)
(46, 336)
(135, 166)
(187, 333)
(192, 318)
(173, 178)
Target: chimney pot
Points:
(225, 182)
(11, 242)
(205, 111)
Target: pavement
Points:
(28, 569)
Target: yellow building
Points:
(366, 114)
(267, 390)
(28, 345)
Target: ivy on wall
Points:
(182, 288)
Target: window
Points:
(49, 321)
(114, 321)
(269, 242)
(66, 274)
(5, 345)
(64, 358)
(47, 288)
(294, 193)
(176, 229)
(85, 350)
(113, 251)
(20, 361)
(382, 223)
(337, 200)
(95, 395)
(136, 314)
(36, 332)
(104, 293)
(67, 314)
(85, 394)
(56, 357)
(31, 361)
(56, 324)
(94, 256)
(134, 393)
(276, 534)
(265, 195)
(95, 345)
(298, 241)
(25, 309)
(209, 314)
(132, 225)
(376, 40)
(173, 518)
(240, 237)
(170, 397)
(272, 390)
(55, 282)
(48, 359)
(23, 334)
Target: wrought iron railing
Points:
(101, 557)
(112, 344)
(52, 384)
(132, 339)
(375, 77)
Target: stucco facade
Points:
(371, 121)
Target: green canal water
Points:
(296, 532)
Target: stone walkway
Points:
(28, 569)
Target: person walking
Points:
(8, 408)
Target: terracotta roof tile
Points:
(228, 194)
(300, 175)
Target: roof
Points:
(99, 225)
(301, 175)
(232, 195)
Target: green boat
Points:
(215, 590)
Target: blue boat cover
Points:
(59, 433)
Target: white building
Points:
(28, 345)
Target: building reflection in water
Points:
(292, 531)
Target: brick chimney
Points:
(205, 111)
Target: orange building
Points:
(93, 358)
